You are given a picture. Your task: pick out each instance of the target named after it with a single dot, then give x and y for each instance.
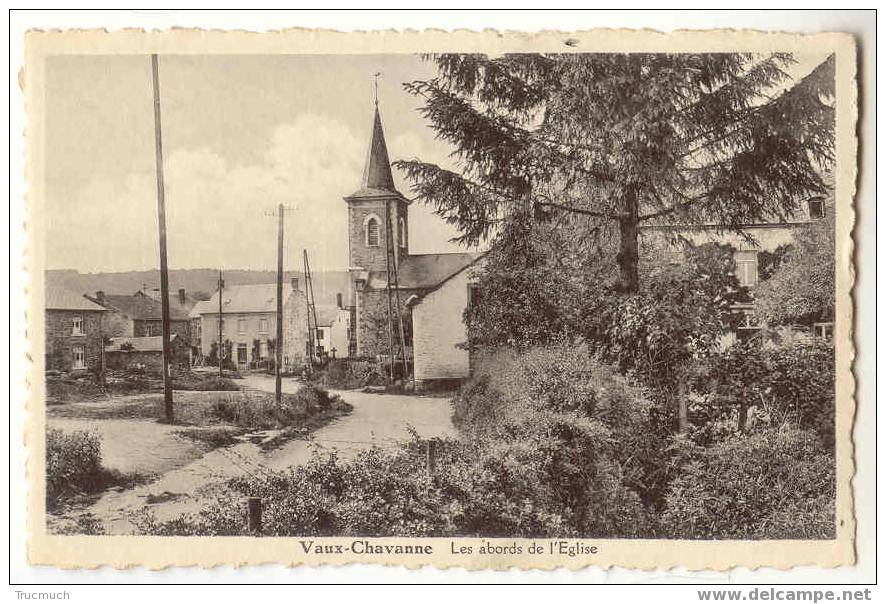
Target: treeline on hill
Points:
(602, 403)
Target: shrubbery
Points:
(74, 467)
(264, 413)
(73, 464)
(348, 374)
(776, 484)
(792, 382)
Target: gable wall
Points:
(438, 328)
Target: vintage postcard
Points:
(485, 300)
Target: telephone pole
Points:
(278, 392)
(161, 225)
(221, 342)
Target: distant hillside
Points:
(194, 281)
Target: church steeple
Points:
(372, 205)
(377, 173)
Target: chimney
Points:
(181, 296)
(295, 284)
(338, 300)
(100, 297)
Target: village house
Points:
(74, 331)
(139, 315)
(145, 353)
(431, 290)
(764, 237)
(249, 323)
(332, 337)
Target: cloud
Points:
(217, 212)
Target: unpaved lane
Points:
(377, 419)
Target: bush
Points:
(792, 382)
(510, 388)
(264, 413)
(777, 484)
(73, 464)
(348, 374)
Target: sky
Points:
(241, 134)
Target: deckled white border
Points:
(770, 23)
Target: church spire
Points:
(377, 173)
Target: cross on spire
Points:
(375, 77)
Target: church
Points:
(429, 292)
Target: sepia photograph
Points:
(472, 302)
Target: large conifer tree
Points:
(625, 140)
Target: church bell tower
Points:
(370, 205)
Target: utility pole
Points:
(388, 252)
(278, 392)
(221, 320)
(161, 225)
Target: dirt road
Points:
(379, 419)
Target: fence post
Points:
(253, 515)
(430, 456)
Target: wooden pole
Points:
(388, 265)
(253, 515)
(397, 298)
(161, 226)
(221, 320)
(308, 315)
(278, 391)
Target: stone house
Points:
(145, 353)
(139, 315)
(249, 323)
(332, 337)
(74, 331)
(378, 245)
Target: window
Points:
(401, 232)
(241, 325)
(77, 326)
(816, 208)
(241, 354)
(319, 334)
(746, 268)
(749, 329)
(79, 357)
(372, 232)
(262, 326)
(825, 331)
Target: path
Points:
(379, 419)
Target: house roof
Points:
(426, 271)
(174, 298)
(243, 299)
(142, 306)
(144, 344)
(60, 298)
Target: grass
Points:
(213, 436)
(61, 389)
